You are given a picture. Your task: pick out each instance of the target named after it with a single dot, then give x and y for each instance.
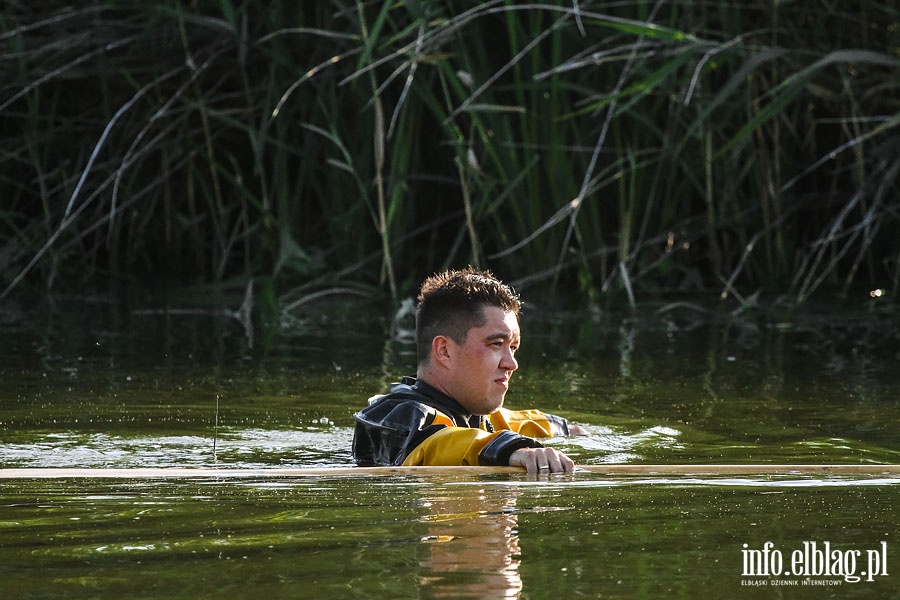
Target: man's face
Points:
(482, 366)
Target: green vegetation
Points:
(624, 148)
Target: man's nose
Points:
(509, 362)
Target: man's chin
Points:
(495, 404)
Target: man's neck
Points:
(446, 403)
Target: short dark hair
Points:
(451, 303)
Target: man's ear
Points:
(441, 350)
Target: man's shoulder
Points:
(402, 397)
(401, 391)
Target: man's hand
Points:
(576, 429)
(542, 461)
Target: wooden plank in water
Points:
(610, 469)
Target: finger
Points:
(544, 460)
(557, 462)
(525, 457)
(568, 465)
(562, 463)
(554, 463)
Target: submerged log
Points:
(674, 470)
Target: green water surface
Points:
(99, 388)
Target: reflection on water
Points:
(471, 545)
(430, 537)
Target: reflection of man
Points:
(467, 334)
(471, 549)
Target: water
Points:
(117, 390)
(430, 537)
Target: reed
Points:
(628, 150)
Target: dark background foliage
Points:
(632, 149)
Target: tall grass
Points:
(627, 149)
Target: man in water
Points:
(450, 413)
